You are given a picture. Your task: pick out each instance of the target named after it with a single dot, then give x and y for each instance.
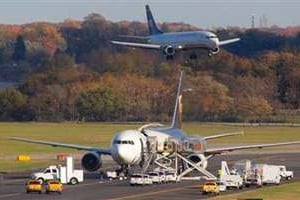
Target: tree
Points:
(100, 105)
(12, 104)
(19, 50)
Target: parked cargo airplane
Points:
(128, 147)
(170, 43)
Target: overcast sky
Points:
(202, 13)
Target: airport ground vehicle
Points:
(171, 177)
(163, 176)
(210, 187)
(140, 179)
(270, 174)
(66, 174)
(253, 179)
(222, 186)
(34, 186)
(231, 180)
(54, 186)
(284, 173)
(156, 177)
(115, 175)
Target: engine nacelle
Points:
(215, 51)
(91, 161)
(169, 50)
(197, 158)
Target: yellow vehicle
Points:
(54, 186)
(34, 186)
(210, 187)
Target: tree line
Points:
(70, 71)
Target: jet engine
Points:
(197, 158)
(169, 51)
(215, 51)
(91, 161)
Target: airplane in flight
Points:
(129, 147)
(172, 42)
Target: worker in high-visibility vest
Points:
(219, 172)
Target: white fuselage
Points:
(191, 39)
(127, 146)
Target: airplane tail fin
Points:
(177, 115)
(153, 30)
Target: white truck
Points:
(66, 174)
(284, 173)
(231, 180)
(140, 179)
(157, 177)
(270, 174)
(111, 175)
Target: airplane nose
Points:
(124, 154)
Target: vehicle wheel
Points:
(41, 180)
(73, 181)
(27, 191)
(40, 192)
(47, 192)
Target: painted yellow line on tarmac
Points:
(154, 193)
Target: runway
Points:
(14, 188)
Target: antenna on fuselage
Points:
(177, 115)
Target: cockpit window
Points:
(211, 36)
(124, 142)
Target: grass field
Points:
(100, 134)
(290, 191)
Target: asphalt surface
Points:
(12, 187)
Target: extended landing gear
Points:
(210, 53)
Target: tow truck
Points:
(66, 174)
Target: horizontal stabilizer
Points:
(223, 135)
(224, 42)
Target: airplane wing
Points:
(134, 37)
(56, 144)
(224, 42)
(137, 45)
(223, 135)
(228, 149)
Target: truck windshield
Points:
(136, 176)
(209, 184)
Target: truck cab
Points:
(48, 173)
(285, 174)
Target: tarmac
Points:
(13, 185)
